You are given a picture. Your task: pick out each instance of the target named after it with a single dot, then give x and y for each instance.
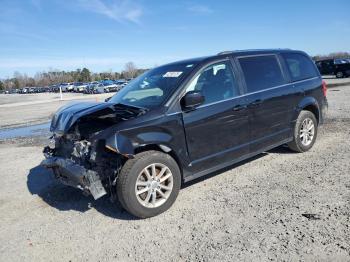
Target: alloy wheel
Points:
(154, 185)
(307, 132)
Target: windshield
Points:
(152, 88)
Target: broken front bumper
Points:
(71, 174)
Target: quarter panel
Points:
(313, 95)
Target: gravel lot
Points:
(278, 206)
(28, 109)
(331, 80)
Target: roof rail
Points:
(247, 50)
(224, 53)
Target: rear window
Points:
(300, 67)
(261, 72)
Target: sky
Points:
(103, 35)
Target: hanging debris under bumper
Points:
(72, 174)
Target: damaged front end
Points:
(74, 164)
(77, 157)
(75, 175)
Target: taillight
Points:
(324, 88)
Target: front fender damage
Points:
(120, 144)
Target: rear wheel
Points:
(339, 74)
(305, 132)
(148, 184)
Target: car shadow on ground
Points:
(41, 182)
(281, 150)
(278, 150)
(200, 179)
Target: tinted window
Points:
(215, 82)
(261, 72)
(300, 67)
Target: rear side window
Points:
(300, 67)
(261, 72)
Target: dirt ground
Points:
(278, 206)
(331, 80)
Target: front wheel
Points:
(148, 184)
(305, 132)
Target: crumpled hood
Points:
(67, 115)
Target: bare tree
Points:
(130, 70)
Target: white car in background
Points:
(99, 88)
(109, 85)
(95, 88)
(70, 87)
(121, 83)
(79, 87)
(67, 87)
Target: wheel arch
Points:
(309, 104)
(161, 148)
(313, 109)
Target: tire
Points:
(134, 172)
(339, 74)
(298, 144)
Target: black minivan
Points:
(183, 120)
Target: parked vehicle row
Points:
(29, 90)
(96, 87)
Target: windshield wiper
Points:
(132, 106)
(128, 111)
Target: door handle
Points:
(255, 103)
(239, 107)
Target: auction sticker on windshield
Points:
(172, 74)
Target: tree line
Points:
(52, 77)
(334, 55)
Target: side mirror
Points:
(108, 98)
(192, 99)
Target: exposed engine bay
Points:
(79, 157)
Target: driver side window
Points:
(215, 82)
